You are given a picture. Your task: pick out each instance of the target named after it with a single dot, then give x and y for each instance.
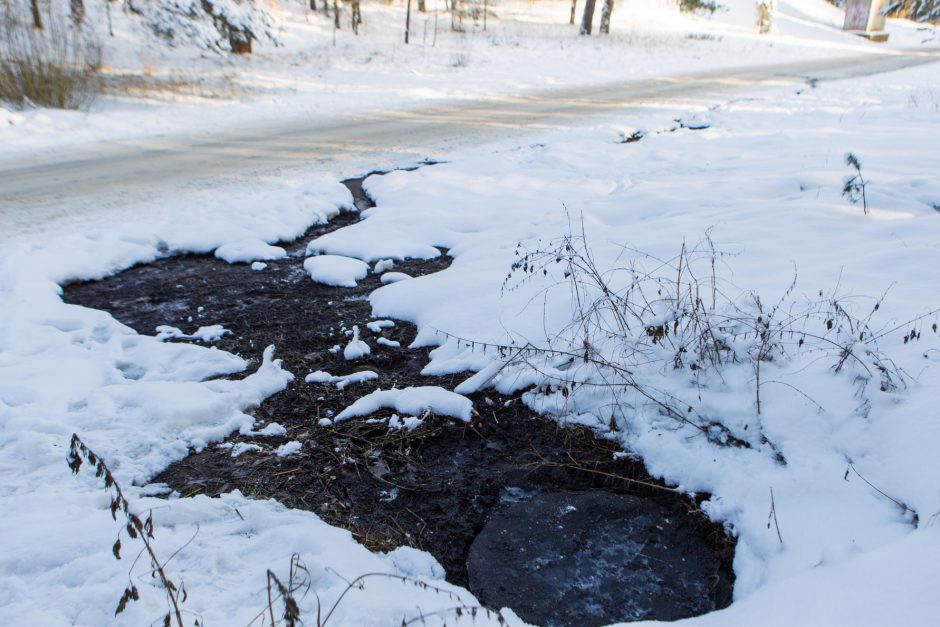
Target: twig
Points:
(773, 514)
(900, 504)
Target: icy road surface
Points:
(52, 192)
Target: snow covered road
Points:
(42, 192)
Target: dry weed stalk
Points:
(853, 187)
(135, 528)
(299, 580)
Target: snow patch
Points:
(408, 423)
(336, 270)
(240, 448)
(394, 277)
(290, 448)
(271, 430)
(356, 349)
(376, 326)
(343, 380)
(415, 401)
(207, 334)
(382, 266)
(247, 251)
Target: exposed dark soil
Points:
(432, 488)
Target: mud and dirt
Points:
(433, 488)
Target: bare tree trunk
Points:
(37, 16)
(574, 11)
(408, 22)
(587, 18)
(77, 11)
(313, 5)
(607, 9)
(335, 14)
(456, 16)
(484, 14)
(356, 18)
(422, 6)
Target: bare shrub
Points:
(664, 337)
(56, 66)
(698, 6)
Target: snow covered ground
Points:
(528, 45)
(764, 180)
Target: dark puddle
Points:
(436, 487)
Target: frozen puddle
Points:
(590, 557)
(576, 542)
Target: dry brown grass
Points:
(55, 67)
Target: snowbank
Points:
(336, 270)
(414, 401)
(247, 251)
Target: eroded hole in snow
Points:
(441, 484)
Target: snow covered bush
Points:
(917, 10)
(52, 66)
(696, 6)
(218, 25)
